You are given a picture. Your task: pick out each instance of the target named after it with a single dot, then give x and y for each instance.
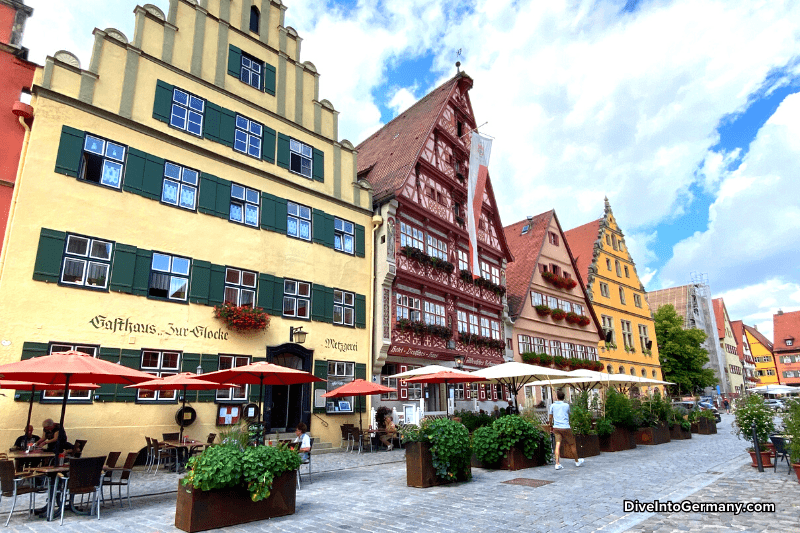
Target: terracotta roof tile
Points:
(719, 315)
(525, 249)
(786, 326)
(759, 337)
(581, 242)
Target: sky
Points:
(684, 113)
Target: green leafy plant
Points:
(619, 411)
(473, 421)
(449, 445)
(531, 358)
(791, 422)
(542, 310)
(217, 467)
(262, 464)
(603, 426)
(580, 417)
(751, 410)
(545, 359)
(558, 314)
(492, 443)
(573, 318)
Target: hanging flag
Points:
(478, 173)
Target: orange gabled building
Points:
(786, 348)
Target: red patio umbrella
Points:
(358, 387)
(183, 381)
(260, 373)
(33, 387)
(60, 368)
(445, 377)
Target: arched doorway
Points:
(288, 405)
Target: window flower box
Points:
(573, 318)
(242, 318)
(584, 320)
(542, 310)
(558, 314)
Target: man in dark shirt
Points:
(55, 438)
(27, 439)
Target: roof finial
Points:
(458, 63)
(607, 205)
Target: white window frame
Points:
(252, 72)
(524, 344)
(185, 181)
(192, 109)
(434, 314)
(294, 293)
(537, 298)
(233, 394)
(344, 308)
(248, 203)
(436, 247)
(608, 325)
(343, 373)
(408, 307)
(486, 328)
(112, 155)
(238, 288)
(490, 272)
(88, 261)
(627, 333)
(411, 236)
(539, 345)
(175, 274)
(299, 216)
(344, 236)
(301, 159)
(463, 259)
(159, 370)
(80, 395)
(248, 136)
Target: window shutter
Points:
(319, 165)
(402, 385)
(70, 151)
(283, 151)
(265, 292)
(211, 122)
(227, 127)
(48, 257)
(201, 279)
(234, 61)
(361, 311)
(360, 244)
(162, 106)
(153, 177)
(131, 359)
(210, 363)
(268, 145)
(267, 211)
(190, 363)
(329, 236)
(318, 226)
(318, 297)
(277, 296)
(107, 392)
(269, 79)
(281, 213)
(134, 171)
(361, 373)
(216, 286)
(328, 305)
(123, 268)
(207, 197)
(223, 204)
(141, 277)
(320, 371)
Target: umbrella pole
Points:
(30, 409)
(182, 410)
(64, 401)
(260, 437)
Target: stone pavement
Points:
(368, 492)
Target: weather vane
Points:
(458, 63)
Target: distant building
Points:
(734, 368)
(745, 354)
(761, 347)
(786, 348)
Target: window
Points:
(340, 373)
(169, 277)
(490, 272)
(580, 351)
(180, 186)
(247, 138)
(386, 381)
(553, 238)
(408, 307)
(608, 326)
(608, 264)
(555, 269)
(73, 394)
(343, 232)
(414, 389)
(244, 205)
(86, 262)
(411, 236)
(637, 300)
(251, 72)
(300, 158)
(539, 345)
(569, 349)
(578, 309)
(485, 329)
(653, 373)
(608, 241)
(555, 348)
(537, 298)
(159, 364)
(495, 330)
(622, 296)
(789, 342)
(643, 337)
(434, 314)
(552, 302)
(619, 268)
(233, 394)
(621, 369)
(614, 242)
(591, 352)
(468, 323)
(525, 344)
(526, 228)
(627, 335)
(103, 162)
(298, 223)
(463, 261)
(565, 305)
(344, 308)
(458, 391)
(255, 19)
(436, 248)
(604, 290)
(296, 298)
(240, 287)
(770, 372)
(187, 112)
(627, 274)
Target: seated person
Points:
(391, 430)
(28, 439)
(302, 442)
(54, 439)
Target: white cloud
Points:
(402, 100)
(756, 304)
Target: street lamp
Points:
(459, 360)
(298, 333)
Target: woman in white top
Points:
(302, 441)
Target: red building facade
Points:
(428, 309)
(16, 79)
(786, 332)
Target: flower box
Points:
(199, 510)
(242, 318)
(621, 439)
(419, 467)
(542, 310)
(515, 460)
(558, 314)
(676, 432)
(584, 320)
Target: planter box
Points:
(621, 439)
(419, 467)
(796, 471)
(712, 427)
(652, 436)
(676, 432)
(199, 510)
(587, 445)
(515, 460)
(701, 427)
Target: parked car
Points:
(778, 405)
(703, 406)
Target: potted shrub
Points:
(791, 421)
(752, 411)
(619, 412)
(542, 310)
(511, 443)
(652, 413)
(437, 452)
(587, 443)
(680, 427)
(233, 483)
(558, 314)
(711, 421)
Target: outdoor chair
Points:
(306, 462)
(124, 479)
(111, 462)
(85, 476)
(347, 441)
(77, 448)
(13, 485)
(781, 452)
(149, 460)
(171, 436)
(163, 455)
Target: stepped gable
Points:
(526, 249)
(581, 242)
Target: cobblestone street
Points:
(368, 492)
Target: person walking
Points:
(727, 405)
(559, 426)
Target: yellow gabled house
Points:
(761, 348)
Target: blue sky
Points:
(682, 112)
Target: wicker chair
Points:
(85, 476)
(124, 479)
(13, 485)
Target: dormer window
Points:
(789, 341)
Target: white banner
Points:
(479, 154)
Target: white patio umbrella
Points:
(424, 370)
(515, 375)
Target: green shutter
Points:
(283, 151)
(269, 79)
(360, 244)
(211, 122)
(48, 257)
(132, 359)
(328, 313)
(318, 294)
(162, 106)
(318, 226)
(268, 145)
(361, 311)
(201, 279)
(141, 277)
(107, 392)
(329, 231)
(234, 61)
(361, 373)
(70, 151)
(210, 363)
(266, 288)
(277, 296)
(281, 213)
(267, 211)
(216, 285)
(134, 171)
(223, 204)
(153, 177)
(189, 364)
(207, 197)
(227, 127)
(30, 350)
(321, 371)
(319, 165)
(123, 268)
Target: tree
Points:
(680, 352)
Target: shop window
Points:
(244, 205)
(233, 394)
(458, 391)
(386, 381)
(296, 299)
(187, 112)
(240, 287)
(437, 248)
(298, 222)
(247, 139)
(86, 262)
(103, 162)
(159, 364)
(180, 186)
(169, 277)
(343, 308)
(340, 373)
(73, 394)
(300, 158)
(343, 232)
(252, 71)
(411, 236)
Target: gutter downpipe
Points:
(14, 194)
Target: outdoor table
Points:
(52, 472)
(21, 458)
(188, 445)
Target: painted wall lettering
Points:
(127, 325)
(333, 344)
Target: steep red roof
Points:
(581, 243)
(786, 326)
(719, 315)
(526, 249)
(388, 155)
(759, 337)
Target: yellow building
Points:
(617, 296)
(734, 368)
(192, 165)
(761, 348)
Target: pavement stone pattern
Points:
(351, 492)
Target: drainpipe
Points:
(23, 111)
(377, 222)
